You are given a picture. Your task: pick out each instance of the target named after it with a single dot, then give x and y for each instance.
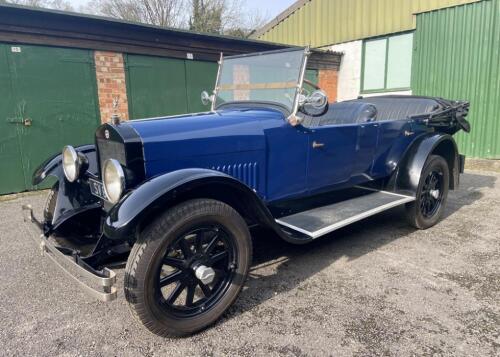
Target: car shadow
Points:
(279, 267)
(468, 192)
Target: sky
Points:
(269, 8)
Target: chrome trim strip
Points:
(55, 255)
(295, 108)
(387, 192)
(350, 220)
(217, 81)
(295, 228)
(63, 262)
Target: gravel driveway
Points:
(375, 288)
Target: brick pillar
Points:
(327, 80)
(111, 85)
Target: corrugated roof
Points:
(22, 24)
(326, 22)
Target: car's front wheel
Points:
(432, 193)
(188, 267)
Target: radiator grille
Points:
(111, 150)
(246, 173)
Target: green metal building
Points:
(62, 73)
(448, 48)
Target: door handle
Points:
(25, 122)
(317, 145)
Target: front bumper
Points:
(99, 284)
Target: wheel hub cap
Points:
(205, 274)
(434, 193)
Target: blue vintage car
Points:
(175, 196)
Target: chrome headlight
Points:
(72, 163)
(113, 180)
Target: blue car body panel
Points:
(252, 145)
(278, 161)
(259, 148)
(274, 162)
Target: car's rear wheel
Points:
(188, 267)
(432, 193)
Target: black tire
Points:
(50, 203)
(165, 241)
(432, 194)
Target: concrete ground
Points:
(378, 287)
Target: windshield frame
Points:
(300, 81)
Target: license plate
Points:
(97, 188)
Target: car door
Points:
(366, 146)
(393, 139)
(287, 153)
(332, 154)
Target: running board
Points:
(323, 220)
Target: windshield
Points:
(266, 77)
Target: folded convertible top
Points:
(445, 115)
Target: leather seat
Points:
(400, 107)
(366, 110)
(351, 112)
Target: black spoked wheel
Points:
(432, 193)
(188, 267)
(197, 269)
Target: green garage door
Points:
(48, 99)
(457, 56)
(158, 86)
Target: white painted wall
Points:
(349, 80)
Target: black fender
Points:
(407, 175)
(73, 199)
(53, 165)
(141, 206)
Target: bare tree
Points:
(206, 16)
(32, 3)
(61, 5)
(248, 23)
(228, 17)
(165, 13)
(51, 4)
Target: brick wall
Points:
(327, 80)
(111, 85)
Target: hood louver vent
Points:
(246, 173)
